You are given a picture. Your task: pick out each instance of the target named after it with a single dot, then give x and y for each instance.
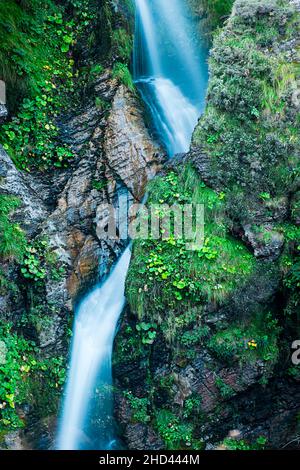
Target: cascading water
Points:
(171, 73)
(90, 368)
(170, 69)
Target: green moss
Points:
(225, 390)
(176, 434)
(38, 68)
(122, 73)
(248, 342)
(129, 347)
(192, 407)
(242, 444)
(21, 55)
(26, 379)
(290, 269)
(250, 129)
(164, 274)
(194, 336)
(122, 43)
(36, 53)
(138, 408)
(12, 238)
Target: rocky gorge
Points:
(113, 153)
(216, 371)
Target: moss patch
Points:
(26, 379)
(165, 274)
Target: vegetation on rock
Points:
(229, 309)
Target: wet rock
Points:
(142, 437)
(129, 150)
(32, 210)
(266, 242)
(3, 113)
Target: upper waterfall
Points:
(170, 69)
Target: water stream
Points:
(170, 72)
(170, 69)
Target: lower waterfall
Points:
(90, 368)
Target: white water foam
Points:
(94, 329)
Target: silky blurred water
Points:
(87, 421)
(170, 72)
(170, 69)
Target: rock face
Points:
(3, 113)
(14, 183)
(206, 377)
(120, 157)
(114, 155)
(132, 159)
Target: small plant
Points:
(225, 390)
(176, 435)
(138, 407)
(258, 340)
(37, 65)
(97, 69)
(101, 104)
(122, 73)
(12, 238)
(148, 331)
(207, 252)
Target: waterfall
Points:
(170, 69)
(90, 368)
(170, 72)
